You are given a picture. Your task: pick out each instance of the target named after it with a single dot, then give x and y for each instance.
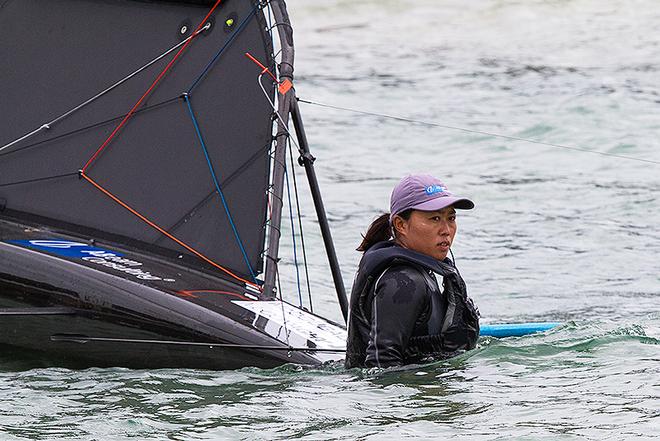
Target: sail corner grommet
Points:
(208, 26)
(184, 29)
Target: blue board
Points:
(515, 329)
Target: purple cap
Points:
(426, 193)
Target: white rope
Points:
(479, 132)
(290, 137)
(48, 125)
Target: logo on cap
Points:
(433, 189)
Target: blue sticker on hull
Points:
(91, 255)
(64, 248)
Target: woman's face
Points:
(427, 232)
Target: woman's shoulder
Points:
(401, 270)
(402, 282)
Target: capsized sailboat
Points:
(141, 182)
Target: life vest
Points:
(452, 323)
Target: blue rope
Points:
(293, 235)
(217, 186)
(223, 48)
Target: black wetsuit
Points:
(400, 315)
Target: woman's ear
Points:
(400, 226)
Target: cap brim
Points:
(443, 202)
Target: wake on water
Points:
(591, 376)
(570, 340)
(564, 340)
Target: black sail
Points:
(150, 185)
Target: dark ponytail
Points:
(380, 230)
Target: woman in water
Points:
(399, 313)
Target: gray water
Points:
(557, 235)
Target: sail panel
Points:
(62, 53)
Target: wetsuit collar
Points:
(387, 251)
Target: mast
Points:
(289, 105)
(284, 105)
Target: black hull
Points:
(96, 312)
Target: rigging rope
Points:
(223, 48)
(283, 89)
(84, 176)
(45, 178)
(91, 126)
(477, 132)
(82, 172)
(302, 234)
(48, 125)
(217, 187)
(293, 237)
(209, 345)
(279, 289)
(150, 89)
(128, 116)
(187, 216)
(283, 86)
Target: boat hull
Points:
(81, 303)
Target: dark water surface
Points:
(557, 234)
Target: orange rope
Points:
(283, 86)
(165, 233)
(264, 68)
